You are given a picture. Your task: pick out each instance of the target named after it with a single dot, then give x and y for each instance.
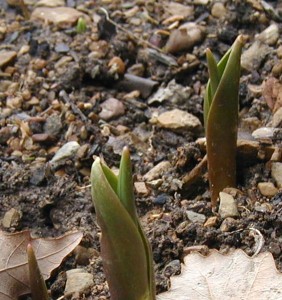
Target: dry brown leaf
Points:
(14, 274)
(235, 276)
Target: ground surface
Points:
(58, 88)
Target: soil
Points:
(54, 92)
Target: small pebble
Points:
(11, 218)
(161, 199)
(227, 206)
(117, 65)
(50, 3)
(218, 10)
(277, 118)
(38, 176)
(65, 152)
(185, 37)
(277, 69)
(279, 51)
(53, 125)
(82, 151)
(262, 207)
(155, 183)
(172, 268)
(5, 134)
(141, 188)
(14, 102)
(157, 171)
(43, 138)
(211, 222)
(270, 35)
(83, 255)
(78, 281)
(178, 119)
(7, 57)
(254, 55)
(276, 173)
(62, 48)
(173, 93)
(111, 108)
(195, 217)
(267, 189)
(228, 224)
(63, 17)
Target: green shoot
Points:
(221, 105)
(81, 25)
(37, 284)
(125, 250)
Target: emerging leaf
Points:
(125, 250)
(37, 283)
(221, 106)
(14, 275)
(81, 25)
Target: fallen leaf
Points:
(232, 276)
(14, 274)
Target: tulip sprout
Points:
(221, 105)
(125, 250)
(37, 284)
(81, 25)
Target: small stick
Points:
(128, 32)
(74, 108)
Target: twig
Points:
(128, 32)
(74, 108)
(195, 173)
(84, 187)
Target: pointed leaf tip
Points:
(37, 284)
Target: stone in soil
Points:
(141, 188)
(276, 173)
(157, 171)
(7, 57)
(65, 152)
(78, 281)
(227, 206)
(177, 119)
(267, 189)
(111, 108)
(172, 268)
(51, 3)
(161, 199)
(63, 17)
(218, 10)
(195, 217)
(270, 35)
(174, 93)
(11, 218)
(211, 222)
(185, 37)
(53, 125)
(253, 56)
(277, 118)
(228, 224)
